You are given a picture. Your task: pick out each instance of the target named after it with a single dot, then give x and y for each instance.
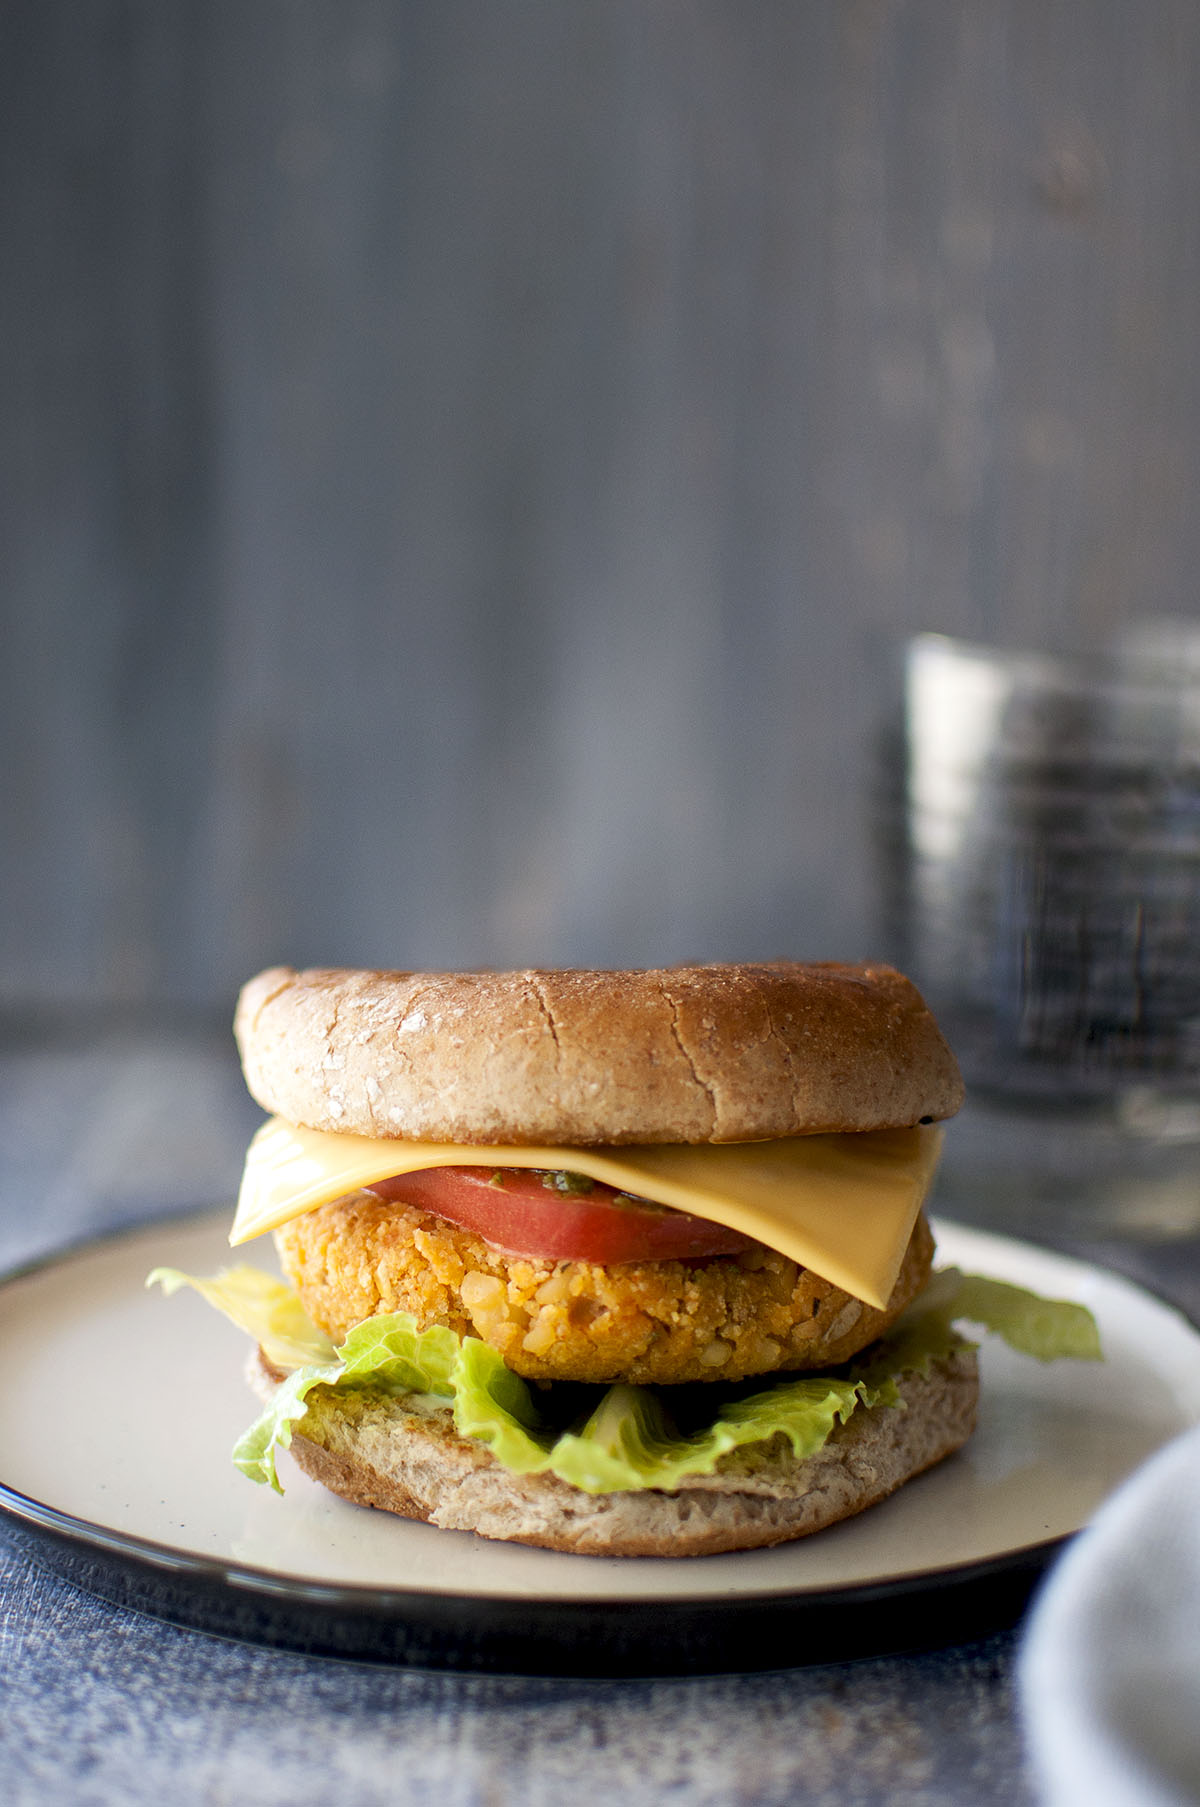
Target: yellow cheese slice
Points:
(843, 1206)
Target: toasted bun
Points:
(406, 1457)
(689, 1054)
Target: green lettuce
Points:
(1047, 1329)
(625, 1438)
(621, 1438)
(255, 1450)
(262, 1306)
(385, 1355)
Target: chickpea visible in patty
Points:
(652, 1322)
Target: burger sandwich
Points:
(621, 1263)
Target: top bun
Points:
(686, 1054)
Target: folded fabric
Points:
(1110, 1666)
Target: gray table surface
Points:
(102, 1705)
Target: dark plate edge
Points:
(530, 1635)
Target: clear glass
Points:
(1044, 892)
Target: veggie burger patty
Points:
(653, 1322)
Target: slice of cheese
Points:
(843, 1206)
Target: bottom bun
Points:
(405, 1456)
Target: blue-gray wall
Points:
(466, 463)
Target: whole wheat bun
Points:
(404, 1456)
(686, 1054)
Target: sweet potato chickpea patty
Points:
(656, 1322)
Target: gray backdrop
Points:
(467, 463)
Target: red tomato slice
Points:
(515, 1211)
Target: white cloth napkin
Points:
(1110, 1667)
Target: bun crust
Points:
(384, 1452)
(686, 1054)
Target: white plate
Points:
(121, 1407)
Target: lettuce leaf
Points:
(629, 1440)
(1047, 1329)
(388, 1353)
(623, 1438)
(254, 1452)
(392, 1354)
(265, 1308)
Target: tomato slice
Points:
(515, 1210)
